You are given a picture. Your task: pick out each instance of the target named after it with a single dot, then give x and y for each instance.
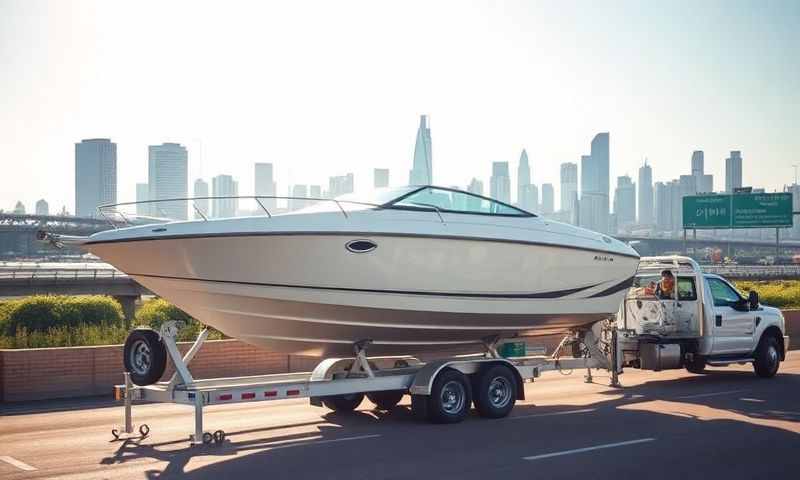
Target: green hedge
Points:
(781, 293)
(157, 311)
(40, 313)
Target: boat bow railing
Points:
(115, 216)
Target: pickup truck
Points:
(706, 321)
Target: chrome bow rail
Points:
(109, 210)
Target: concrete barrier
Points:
(47, 373)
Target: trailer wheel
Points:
(696, 365)
(768, 358)
(144, 356)
(495, 392)
(450, 397)
(343, 403)
(387, 399)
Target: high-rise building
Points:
(500, 183)
(595, 185)
(523, 176)
(569, 186)
(201, 191)
(475, 186)
(625, 202)
(142, 195)
(264, 184)
(340, 185)
(95, 175)
(703, 183)
(548, 199)
(381, 177)
(422, 171)
(601, 159)
(733, 171)
(168, 177)
(19, 208)
(224, 186)
(697, 163)
(794, 189)
(298, 192)
(646, 194)
(315, 191)
(42, 207)
(669, 206)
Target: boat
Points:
(406, 270)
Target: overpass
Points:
(18, 234)
(660, 245)
(18, 279)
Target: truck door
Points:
(733, 322)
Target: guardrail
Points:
(754, 271)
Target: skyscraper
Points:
(625, 201)
(42, 207)
(500, 183)
(142, 195)
(314, 191)
(201, 190)
(381, 177)
(601, 158)
(548, 199)
(19, 208)
(95, 175)
(475, 186)
(697, 163)
(595, 185)
(168, 177)
(422, 171)
(703, 183)
(340, 185)
(264, 184)
(523, 176)
(646, 194)
(224, 186)
(569, 186)
(299, 191)
(733, 171)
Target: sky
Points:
(322, 88)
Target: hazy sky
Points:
(323, 88)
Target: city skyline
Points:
(313, 126)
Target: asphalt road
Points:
(671, 425)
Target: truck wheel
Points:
(343, 403)
(767, 357)
(386, 400)
(144, 356)
(450, 397)
(697, 365)
(495, 391)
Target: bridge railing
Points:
(165, 210)
(62, 274)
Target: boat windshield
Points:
(454, 201)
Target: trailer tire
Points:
(450, 398)
(343, 403)
(495, 391)
(767, 358)
(697, 365)
(387, 399)
(144, 356)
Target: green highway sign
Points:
(741, 210)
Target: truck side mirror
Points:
(752, 298)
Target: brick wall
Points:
(42, 373)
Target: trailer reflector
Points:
(271, 393)
(248, 396)
(292, 392)
(227, 396)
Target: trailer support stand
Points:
(361, 360)
(128, 403)
(614, 360)
(197, 438)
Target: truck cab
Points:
(704, 320)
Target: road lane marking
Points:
(551, 414)
(281, 444)
(712, 394)
(588, 449)
(16, 463)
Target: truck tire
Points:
(450, 397)
(343, 403)
(696, 365)
(144, 356)
(387, 399)
(767, 358)
(495, 391)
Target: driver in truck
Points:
(666, 286)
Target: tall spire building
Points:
(422, 171)
(646, 194)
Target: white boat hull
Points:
(306, 293)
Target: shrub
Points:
(82, 335)
(40, 313)
(781, 293)
(157, 311)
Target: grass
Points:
(775, 293)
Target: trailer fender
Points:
(423, 380)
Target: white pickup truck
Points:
(705, 322)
